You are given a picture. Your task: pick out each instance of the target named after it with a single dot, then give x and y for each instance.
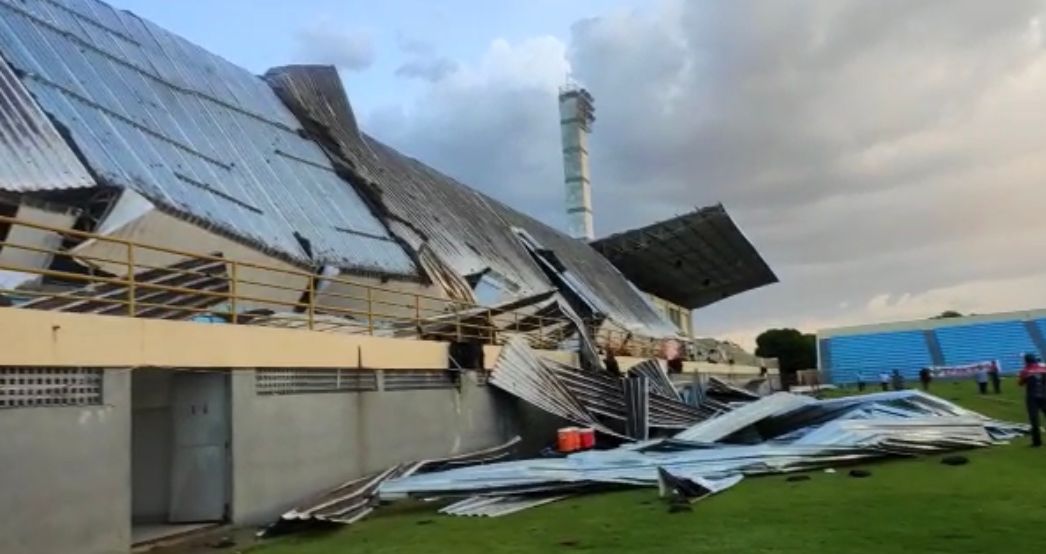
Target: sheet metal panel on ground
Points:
(195, 134)
(715, 454)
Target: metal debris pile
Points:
(356, 499)
(780, 433)
(625, 407)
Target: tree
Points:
(947, 314)
(794, 350)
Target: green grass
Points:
(997, 503)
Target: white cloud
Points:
(327, 42)
(492, 123)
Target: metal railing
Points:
(128, 278)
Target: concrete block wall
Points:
(65, 475)
(286, 448)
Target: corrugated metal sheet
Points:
(470, 231)
(875, 427)
(590, 398)
(723, 426)
(497, 506)
(195, 134)
(33, 155)
(352, 501)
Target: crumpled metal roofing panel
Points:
(901, 424)
(497, 506)
(33, 156)
(718, 428)
(194, 133)
(593, 277)
(467, 229)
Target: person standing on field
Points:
(1033, 379)
(982, 380)
(995, 377)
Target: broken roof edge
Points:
(280, 80)
(734, 239)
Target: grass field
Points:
(997, 503)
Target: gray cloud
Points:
(430, 69)
(413, 45)
(493, 125)
(325, 42)
(885, 157)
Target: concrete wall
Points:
(286, 448)
(65, 476)
(686, 316)
(68, 339)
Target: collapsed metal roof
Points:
(205, 140)
(692, 260)
(197, 135)
(472, 232)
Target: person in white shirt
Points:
(884, 380)
(982, 380)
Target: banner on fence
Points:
(967, 370)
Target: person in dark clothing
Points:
(860, 382)
(897, 380)
(1033, 379)
(925, 378)
(995, 378)
(610, 363)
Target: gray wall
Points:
(288, 447)
(150, 444)
(65, 476)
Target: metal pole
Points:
(132, 290)
(311, 308)
(457, 322)
(492, 328)
(417, 312)
(232, 291)
(370, 313)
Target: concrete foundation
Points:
(65, 475)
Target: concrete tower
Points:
(576, 114)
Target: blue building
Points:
(847, 353)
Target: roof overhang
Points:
(692, 260)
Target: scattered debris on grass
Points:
(780, 433)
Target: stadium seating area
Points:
(1005, 341)
(845, 357)
(869, 355)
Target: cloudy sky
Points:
(888, 158)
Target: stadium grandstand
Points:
(849, 353)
